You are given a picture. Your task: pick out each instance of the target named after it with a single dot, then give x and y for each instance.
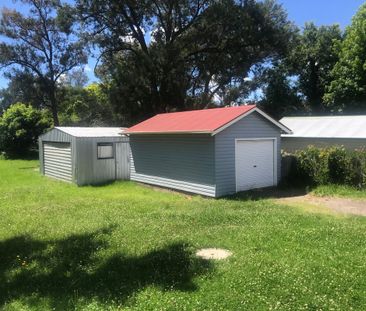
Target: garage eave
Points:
(285, 129)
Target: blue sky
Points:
(321, 12)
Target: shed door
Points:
(57, 160)
(254, 164)
(123, 161)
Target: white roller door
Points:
(255, 164)
(57, 160)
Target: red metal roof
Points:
(195, 121)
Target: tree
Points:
(42, 43)
(171, 55)
(348, 88)
(86, 106)
(312, 60)
(280, 93)
(23, 87)
(20, 126)
(76, 78)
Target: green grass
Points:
(339, 191)
(125, 246)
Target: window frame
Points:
(105, 145)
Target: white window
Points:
(105, 151)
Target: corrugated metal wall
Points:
(90, 169)
(184, 162)
(122, 160)
(252, 126)
(291, 144)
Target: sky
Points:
(321, 12)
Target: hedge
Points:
(333, 165)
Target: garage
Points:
(85, 155)
(213, 152)
(57, 160)
(255, 163)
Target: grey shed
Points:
(213, 152)
(85, 155)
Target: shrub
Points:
(333, 165)
(338, 164)
(20, 126)
(357, 169)
(311, 165)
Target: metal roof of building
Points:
(197, 121)
(326, 126)
(92, 131)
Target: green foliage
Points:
(312, 59)
(23, 87)
(333, 165)
(199, 52)
(42, 43)
(296, 83)
(313, 165)
(356, 175)
(338, 165)
(347, 89)
(20, 126)
(280, 96)
(125, 246)
(88, 106)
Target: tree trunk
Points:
(54, 109)
(55, 117)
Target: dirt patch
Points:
(339, 205)
(213, 253)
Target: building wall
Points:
(183, 162)
(252, 126)
(90, 169)
(291, 144)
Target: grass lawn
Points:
(339, 191)
(125, 246)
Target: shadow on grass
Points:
(29, 167)
(269, 193)
(101, 184)
(29, 156)
(72, 268)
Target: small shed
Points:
(85, 155)
(324, 131)
(213, 152)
